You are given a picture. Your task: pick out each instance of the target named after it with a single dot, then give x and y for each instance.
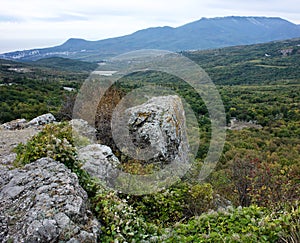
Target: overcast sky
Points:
(26, 24)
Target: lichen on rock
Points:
(43, 202)
(156, 130)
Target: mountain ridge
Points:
(205, 33)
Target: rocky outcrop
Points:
(15, 124)
(42, 120)
(43, 202)
(157, 130)
(22, 123)
(100, 162)
(221, 203)
(19, 131)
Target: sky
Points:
(42, 23)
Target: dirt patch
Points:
(9, 139)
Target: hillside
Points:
(33, 89)
(252, 195)
(28, 90)
(202, 34)
(273, 62)
(66, 64)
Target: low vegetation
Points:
(179, 213)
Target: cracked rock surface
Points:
(43, 202)
(157, 130)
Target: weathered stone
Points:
(42, 120)
(82, 131)
(99, 161)
(43, 202)
(14, 125)
(221, 203)
(157, 131)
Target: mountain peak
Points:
(74, 41)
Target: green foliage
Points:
(119, 220)
(174, 204)
(60, 63)
(200, 198)
(248, 65)
(249, 224)
(54, 141)
(28, 91)
(291, 226)
(162, 208)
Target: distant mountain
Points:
(202, 34)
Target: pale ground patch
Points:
(9, 139)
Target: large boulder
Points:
(156, 131)
(43, 202)
(22, 123)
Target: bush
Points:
(249, 224)
(54, 141)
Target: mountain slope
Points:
(66, 64)
(202, 34)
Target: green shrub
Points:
(120, 223)
(249, 224)
(54, 141)
(162, 208)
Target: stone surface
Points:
(221, 203)
(42, 120)
(82, 130)
(15, 124)
(99, 161)
(22, 123)
(43, 202)
(157, 131)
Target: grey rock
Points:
(41, 120)
(14, 125)
(82, 131)
(99, 161)
(156, 131)
(43, 202)
(10, 139)
(7, 158)
(221, 203)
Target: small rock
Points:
(14, 125)
(99, 161)
(42, 120)
(83, 131)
